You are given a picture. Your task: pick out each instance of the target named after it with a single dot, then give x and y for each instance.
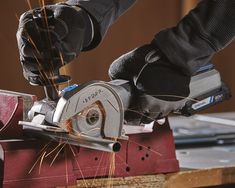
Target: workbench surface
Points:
(183, 179)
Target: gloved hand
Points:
(161, 87)
(50, 37)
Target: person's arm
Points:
(163, 68)
(194, 40)
(103, 13)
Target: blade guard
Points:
(98, 96)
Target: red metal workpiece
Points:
(35, 163)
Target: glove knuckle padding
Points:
(24, 18)
(129, 64)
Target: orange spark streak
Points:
(54, 149)
(44, 148)
(40, 164)
(29, 4)
(79, 168)
(57, 154)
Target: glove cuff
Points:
(93, 31)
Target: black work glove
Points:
(160, 86)
(50, 37)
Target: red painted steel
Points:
(35, 163)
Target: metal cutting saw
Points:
(66, 136)
(91, 115)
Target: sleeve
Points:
(206, 30)
(103, 14)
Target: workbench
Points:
(219, 177)
(202, 171)
(208, 166)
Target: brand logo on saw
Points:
(92, 96)
(203, 103)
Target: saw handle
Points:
(206, 90)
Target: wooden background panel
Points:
(134, 28)
(187, 5)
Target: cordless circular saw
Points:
(91, 115)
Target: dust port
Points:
(96, 158)
(147, 155)
(142, 158)
(128, 169)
